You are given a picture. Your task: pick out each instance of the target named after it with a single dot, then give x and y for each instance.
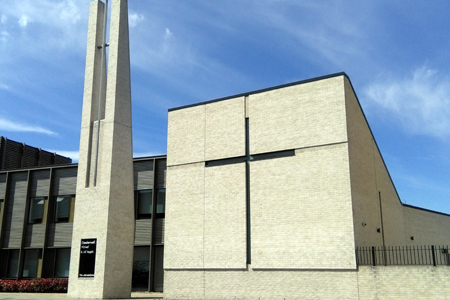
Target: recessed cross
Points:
(247, 158)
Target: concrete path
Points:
(44, 296)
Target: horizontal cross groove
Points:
(271, 155)
(225, 161)
(255, 157)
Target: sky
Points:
(396, 53)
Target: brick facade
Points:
(308, 209)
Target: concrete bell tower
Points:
(103, 229)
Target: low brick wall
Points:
(368, 283)
(404, 282)
(260, 285)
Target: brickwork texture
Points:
(307, 211)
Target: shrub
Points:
(39, 285)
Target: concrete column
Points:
(104, 201)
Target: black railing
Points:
(403, 256)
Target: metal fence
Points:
(403, 255)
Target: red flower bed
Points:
(39, 285)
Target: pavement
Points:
(45, 296)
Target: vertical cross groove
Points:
(100, 89)
(247, 189)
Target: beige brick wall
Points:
(363, 174)
(206, 217)
(261, 285)
(371, 180)
(426, 227)
(368, 283)
(298, 116)
(308, 211)
(206, 132)
(225, 233)
(186, 136)
(205, 213)
(184, 284)
(411, 282)
(302, 212)
(185, 215)
(393, 217)
(225, 129)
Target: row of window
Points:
(63, 209)
(143, 200)
(142, 267)
(59, 258)
(32, 262)
(64, 206)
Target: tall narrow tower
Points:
(103, 232)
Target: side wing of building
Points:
(380, 218)
(36, 218)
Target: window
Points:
(161, 203)
(36, 210)
(64, 209)
(141, 266)
(13, 263)
(62, 263)
(31, 263)
(158, 270)
(144, 204)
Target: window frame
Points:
(57, 250)
(8, 265)
(32, 206)
(34, 268)
(69, 218)
(145, 215)
(141, 268)
(163, 213)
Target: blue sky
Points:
(396, 54)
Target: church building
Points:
(279, 193)
(269, 194)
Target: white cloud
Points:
(3, 19)
(146, 154)
(68, 12)
(134, 19)
(4, 87)
(4, 35)
(58, 14)
(56, 24)
(420, 102)
(7, 125)
(167, 34)
(325, 32)
(23, 21)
